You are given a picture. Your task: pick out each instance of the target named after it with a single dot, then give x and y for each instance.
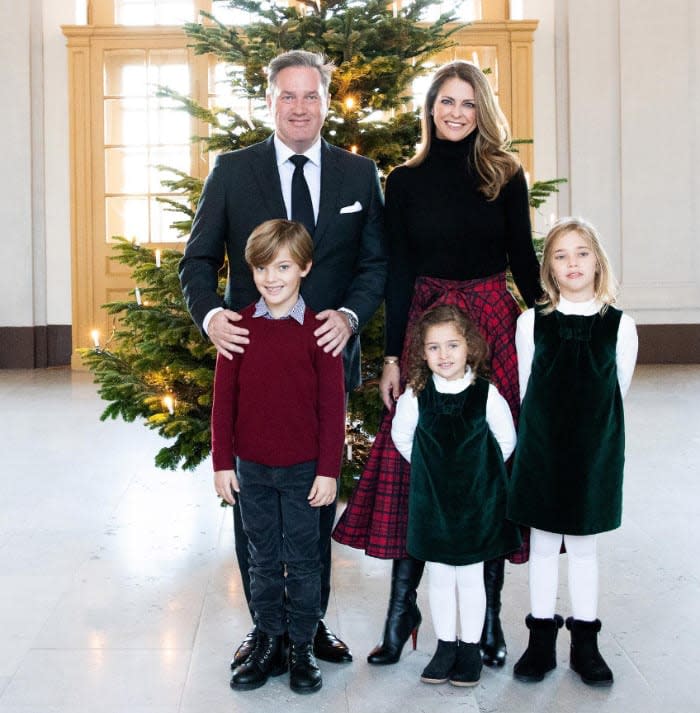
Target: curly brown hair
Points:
(477, 348)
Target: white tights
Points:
(544, 574)
(448, 584)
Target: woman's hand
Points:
(389, 383)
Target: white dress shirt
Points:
(498, 415)
(312, 173)
(626, 350)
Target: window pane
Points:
(127, 217)
(126, 170)
(167, 124)
(162, 216)
(171, 156)
(125, 73)
(169, 68)
(126, 121)
(153, 12)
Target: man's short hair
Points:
(300, 58)
(271, 236)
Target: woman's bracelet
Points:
(391, 360)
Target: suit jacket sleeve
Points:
(366, 291)
(205, 249)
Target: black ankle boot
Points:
(493, 644)
(585, 658)
(467, 668)
(403, 617)
(245, 648)
(442, 663)
(304, 674)
(541, 653)
(268, 658)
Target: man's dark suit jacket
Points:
(243, 190)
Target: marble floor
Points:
(118, 592)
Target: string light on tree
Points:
(169, 404)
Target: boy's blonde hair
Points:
(605, 286)
(273, 235)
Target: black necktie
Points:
(302, 208)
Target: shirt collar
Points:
(283, 152)
(296, 313)
(584, 309)
(453, 386)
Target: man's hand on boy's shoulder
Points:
(322, 491)
(225, 335)
(335, 331)
(226, 484)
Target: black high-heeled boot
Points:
(403, 616)
(493, 643)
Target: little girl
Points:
(576, 355)
(456, 430)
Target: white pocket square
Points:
(354, 208)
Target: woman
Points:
(457, 215)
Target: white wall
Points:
(34, 183)
(56, 158)
(16, 243)
(625, 101)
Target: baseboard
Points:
(669, 343)
(35, 347)
(39, 347)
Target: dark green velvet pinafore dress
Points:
(457, 497)
(567, 471)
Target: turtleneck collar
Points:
(454, 149)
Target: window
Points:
(141, 132)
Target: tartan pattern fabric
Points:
(376, 517)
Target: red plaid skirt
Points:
(376, 517)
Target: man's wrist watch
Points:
(352, 319)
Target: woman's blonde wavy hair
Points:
(492, 160)
(605, 285)
(477, 348)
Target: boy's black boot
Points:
(403, 617)
(245, 648)
(442, 663)
(541, 653)
(468, 664)
(585, 658)
(269, 658)
(493, 643)
(304, 674)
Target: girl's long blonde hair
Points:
(492, 160)
(477, 348)
(605, 286)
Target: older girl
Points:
(576, 356)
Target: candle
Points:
(95, 334)
(169, 404)
(353, 148)
(157, 258)
(349, 451)
(137, 292)
(552, 218)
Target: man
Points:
(344, 216)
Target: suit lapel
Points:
(264, 169)
(331, 180)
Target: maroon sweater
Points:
(282, 401)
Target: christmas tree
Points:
(157, 366)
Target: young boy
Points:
(278, 426)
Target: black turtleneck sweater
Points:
(438, 224)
